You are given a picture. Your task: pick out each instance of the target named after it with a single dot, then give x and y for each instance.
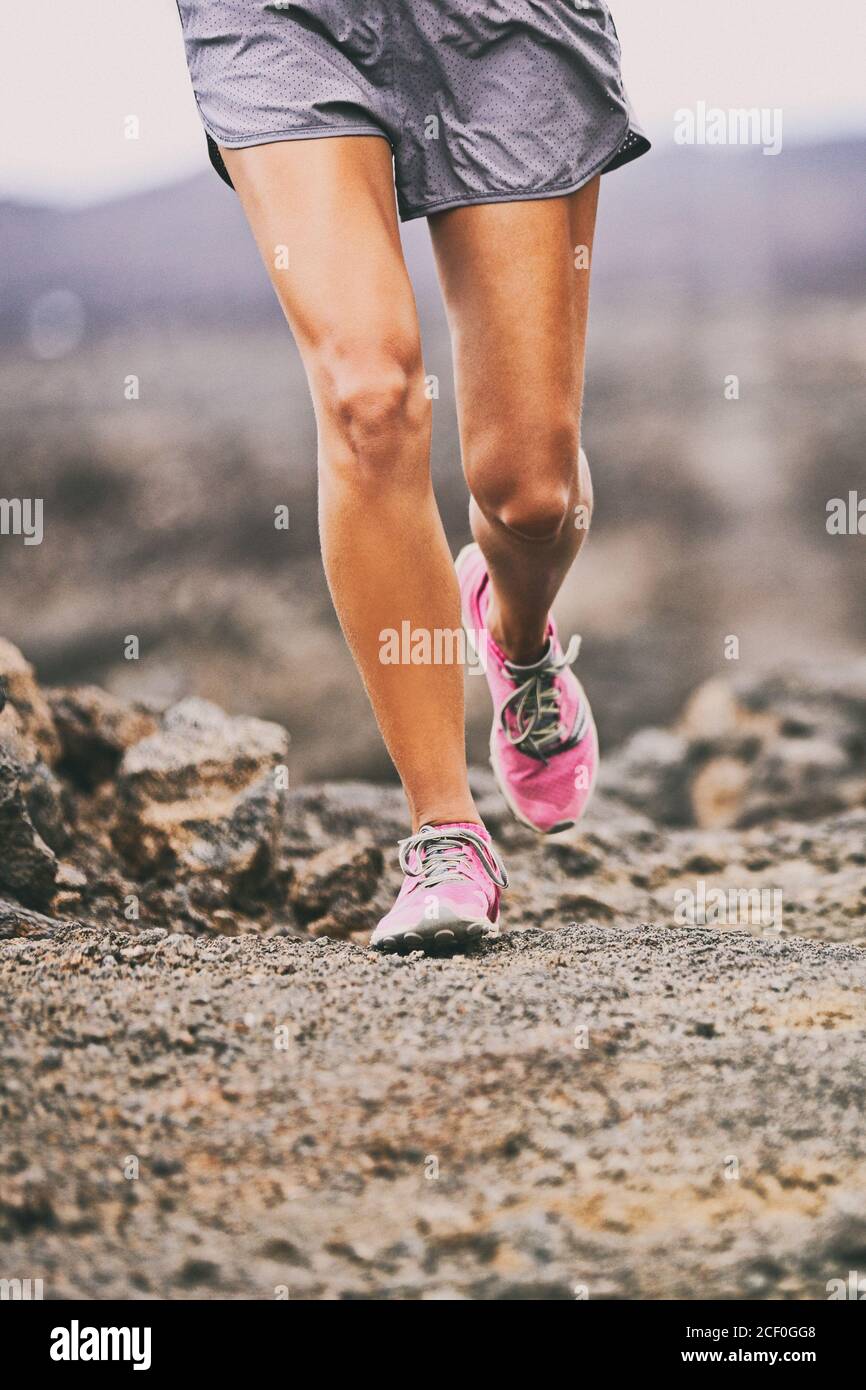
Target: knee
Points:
(533, 481)
(372, 400)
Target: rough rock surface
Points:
(651, 1086)
(27, 864)
(747, 752)
(20, 689)
(201, 792)
(643, 1112)
(95, 729)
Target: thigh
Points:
(515, 277)
(323, 214)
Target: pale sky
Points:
(71, 73)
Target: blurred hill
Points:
(698, 218)
(710, 517)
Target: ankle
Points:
(446, 813)
(522, 646)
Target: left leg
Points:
(517, 294)
(516, 289)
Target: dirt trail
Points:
(637, 1112)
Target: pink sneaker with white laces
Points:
(450, 895)
(543, 745)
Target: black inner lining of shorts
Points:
(217, 161)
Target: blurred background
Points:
(126, 258)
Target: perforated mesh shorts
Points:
(481, 100)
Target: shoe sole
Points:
(438, 938)
(494, 764)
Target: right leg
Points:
(348, 300)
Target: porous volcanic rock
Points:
(202, 793)
(94, 730)
(788, 745)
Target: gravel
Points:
(593, 1111)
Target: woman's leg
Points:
(516, 283)
(322, 212)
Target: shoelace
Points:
(534, 704)
(445, 856)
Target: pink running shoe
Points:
(450, 895)
(543, 746)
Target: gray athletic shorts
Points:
(482, 101)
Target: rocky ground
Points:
(652, 1086)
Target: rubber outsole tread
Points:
(438, 941)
